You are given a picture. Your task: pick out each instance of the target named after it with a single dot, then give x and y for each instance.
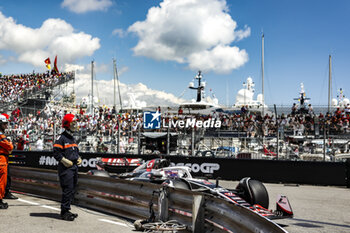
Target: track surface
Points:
(30, 214)
(316, 209)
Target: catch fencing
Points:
(132, 199)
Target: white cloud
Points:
(82, 6)
(54, 37)
(241, 34)
(119, 32)
(104, 89)
(221, 59)
(181, 30)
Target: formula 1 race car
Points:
(249, 193)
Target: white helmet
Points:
(3, 118)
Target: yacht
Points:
(200, 105)
(245, 97)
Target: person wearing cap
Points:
(6, 148)
(66, 152)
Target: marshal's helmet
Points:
(67, 120)
(4, 118)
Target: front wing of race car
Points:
(283, 207)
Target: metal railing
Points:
(131, 199)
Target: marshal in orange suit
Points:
(6, 148)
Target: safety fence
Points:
(134, 199)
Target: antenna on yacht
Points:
(200, 86)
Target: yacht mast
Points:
(116, 75)
(200, 86)
(114, 84)
(330, 83)
(92, 88)
(262, 73)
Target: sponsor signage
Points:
(51, 161)
(203, 167)
(192, 122)
(152, 120)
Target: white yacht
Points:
(245, 97)
(200, 105)
(341, 102)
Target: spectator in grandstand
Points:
(347, 109)
(244, 110)
(310, 110)
(40, 144)
(67, 153)
(20, 143)
(294, 109)
(101, 147)
(6, 148)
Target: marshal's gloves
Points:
(79, 161)
(66, 162)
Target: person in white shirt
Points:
(40, 144)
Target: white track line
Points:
(34, 203)
(113, 222)
(29, 202)
(53, 208)
(50, 207)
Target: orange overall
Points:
(6, 148)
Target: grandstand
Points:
(37, 103)
(30, 92)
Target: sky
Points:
(159, 46)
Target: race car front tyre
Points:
(254, 192)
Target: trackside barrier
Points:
(269, 171)
(347, 165)
(131, 199)
(234, 218)
(116, 196)
(206, 213)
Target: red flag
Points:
(48, 63)
(55, 65)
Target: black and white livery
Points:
(249, 193)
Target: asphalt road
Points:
(316, 209)
(30, 214)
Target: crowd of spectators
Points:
(104, 123)
(25, 131)
(37, 130)
(305, 123)
(14, 87)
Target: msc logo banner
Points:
(151, 120)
